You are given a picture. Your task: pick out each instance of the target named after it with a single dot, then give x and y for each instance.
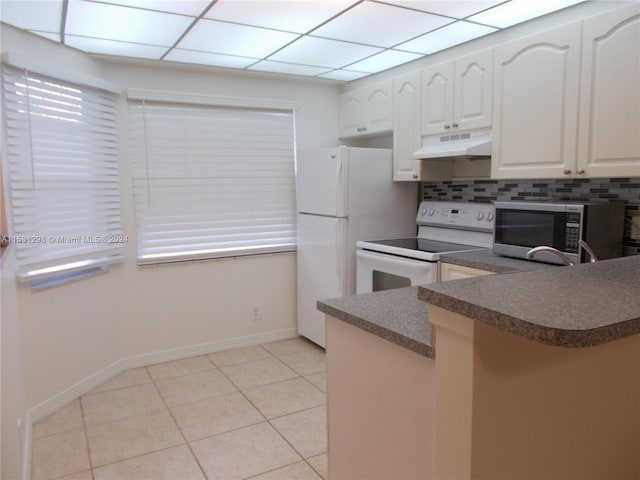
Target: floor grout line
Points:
(242, 391)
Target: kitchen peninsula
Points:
(531, 374)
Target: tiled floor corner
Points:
(252, 413)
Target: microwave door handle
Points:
(588, 249)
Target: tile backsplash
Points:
(599, 189)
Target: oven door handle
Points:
(393, 259)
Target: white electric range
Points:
(443, 227)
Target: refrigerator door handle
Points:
(339, 253)
(339, 190)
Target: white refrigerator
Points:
(344, 194)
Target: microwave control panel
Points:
(572, 238)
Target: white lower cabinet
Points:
(449, 271)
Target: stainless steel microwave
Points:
(521, 226)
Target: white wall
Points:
(14, 409)
(73, 336)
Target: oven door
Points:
(380, 271)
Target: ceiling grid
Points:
(335, 39)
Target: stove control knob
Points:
(480, 216)
(489, 216)
(431, 212)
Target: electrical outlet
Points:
(635, 227)
(255, 312)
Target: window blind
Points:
(211, 181)
(61, 163)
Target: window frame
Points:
(137, 100)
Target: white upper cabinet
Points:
(406, 121)
(609, 133)
(456, 95)
(367, 110)
(406, 135)
(535, 114)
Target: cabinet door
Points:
(351, 113)
(535, 114)
(367, 110)
(449, 271)
(378, 108)
(473, 89)
(437, 99)
(609, 139)
(406, 132)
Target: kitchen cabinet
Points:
(450, 271)
(535, 105)
(406, 120)
(457, 95)
(367, 111)
(406, 134)
(608, 141)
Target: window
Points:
(61, 160)
(211, 180)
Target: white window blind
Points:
(211, 181)
(61, 164)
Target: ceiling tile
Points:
(455, 9)
(193, 8)
(288, 68)
(51, 36)
(383, 61)
(323, 53)
(232, 39)
(454, 34)
(111, 47)
(44, 16)
(518, 11)
(206, 58)
(299, 16)
(380, 25)
(343, 75)
(113, 22)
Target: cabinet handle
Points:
(567, 172)
(580, 171)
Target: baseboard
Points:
(46, 408)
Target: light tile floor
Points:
(257, 412)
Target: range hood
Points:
(456, 145)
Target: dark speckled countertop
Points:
(487, 260)
(579, 306)
(395, 315)
(576, 306)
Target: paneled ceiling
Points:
(334, 39)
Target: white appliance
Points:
(343, 195)
(443, 227)
(455, 145)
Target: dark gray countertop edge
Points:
(348, 310)
(491, 262)
(547, 335)
(580, 306)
